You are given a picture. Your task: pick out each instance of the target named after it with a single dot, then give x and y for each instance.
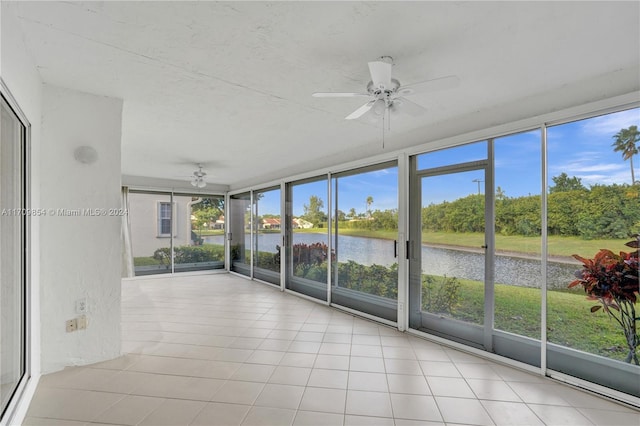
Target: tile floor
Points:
(222, 350)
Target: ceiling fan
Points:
(197, 179)
(387, 95)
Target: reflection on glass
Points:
(453, 221)
(365, 275)
(593, 204)
(240, 211)
(307, 246)
(267, 240)
(518, 233)
(12, 279)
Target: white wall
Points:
(143, 216)
(80, 255)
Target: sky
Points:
(581, 149)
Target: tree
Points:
(625, 142)
(564, 183)
(208, 202)
(313, 211)
(369, 202)
(352, 213)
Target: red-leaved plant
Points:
(612, 280)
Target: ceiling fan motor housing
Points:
(375, 91)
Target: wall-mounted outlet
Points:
(72, 325)
(82, 306)
(82, 322)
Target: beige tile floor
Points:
(222, 350)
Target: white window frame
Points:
(172, 219)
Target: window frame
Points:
(7, 412)
(160, 219)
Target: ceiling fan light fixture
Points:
(198, 178)
(379, 107)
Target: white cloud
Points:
(584, 168)
(381, 172)
(611, 124)
(592, 172)
(620, 177)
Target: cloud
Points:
(584, 168)
(381, 172)
(592, 173)
(611, 124)
(622, 176)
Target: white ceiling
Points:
(229, 84)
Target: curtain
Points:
(127, 251)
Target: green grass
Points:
(145, 261)
(558, 246)
(207, 232)
(570, 322)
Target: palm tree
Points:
(626, 143)
(369, 202)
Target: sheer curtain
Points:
(127, 254)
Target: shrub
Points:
(442, 296)
(189, 254)
(612, 280)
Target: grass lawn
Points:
(558, 246)
(570, 322)
(145, 261)
(207, 232)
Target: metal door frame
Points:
(478, 336)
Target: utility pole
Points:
(478, 181)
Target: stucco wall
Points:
(80, 254)
(144, 222)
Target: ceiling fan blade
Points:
(405, 105)
(360, 111)
(380, 74)
(337, 95)
(442, 83)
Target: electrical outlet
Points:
(82, 306)
(82, 322)
(72, 325)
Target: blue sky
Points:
(582, 149)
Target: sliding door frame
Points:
(27, 332)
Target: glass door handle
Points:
(395, 248)
(407, 251)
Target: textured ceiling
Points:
(229, 84)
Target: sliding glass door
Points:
(518, 241)
(267, 239)
(364, 240)
(307, 237)
(199, 241)
(13, 281)
(451, 288)
(176, 232)
(240, 215)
